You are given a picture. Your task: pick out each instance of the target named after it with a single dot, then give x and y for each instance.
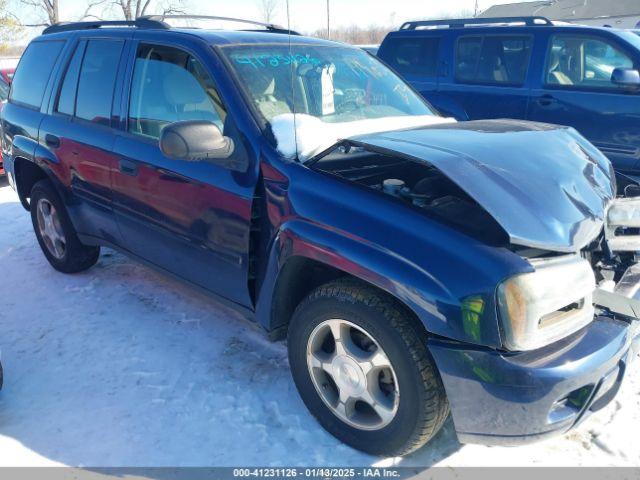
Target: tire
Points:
(67, 254)
(419, 400)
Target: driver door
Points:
(191, 218)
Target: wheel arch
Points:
(27, 173)
(305, 256)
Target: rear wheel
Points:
(55, 232)
(362, 368)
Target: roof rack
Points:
(267, 26)
(463, 22)
(142, 22)
(155, 22)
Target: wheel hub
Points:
(348, 374)
(352, 374)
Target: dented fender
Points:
(414, 285)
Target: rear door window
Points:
(33, 72)
(412, 55)
(97, 80)
(493, 60)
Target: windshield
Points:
(333, 84)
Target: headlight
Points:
(543, 306)
(625, 213)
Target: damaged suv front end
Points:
(567, 321)
(507, 240)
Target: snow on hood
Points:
(314, 136)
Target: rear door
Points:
(488, 78)
(78, 133)
(191, 218)
(575, 89)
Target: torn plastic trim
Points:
(624, 298)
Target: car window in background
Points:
(583, 62)
(67, 97)
(33, 72)
(97, 80)
(334, 84)
(4, 90)
(170, 85)
(412, 55)
(498, 60)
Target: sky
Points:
(306, 15)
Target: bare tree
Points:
(268, 10)
(10, 28)
(46, 7)
(132, 9)
(356, 35)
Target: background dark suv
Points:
(528, 68)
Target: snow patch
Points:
(303, 136)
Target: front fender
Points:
(439, 309)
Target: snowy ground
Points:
(122, 366)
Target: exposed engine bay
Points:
(421, 186)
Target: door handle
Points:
(128, 168)
(546, 100)
(52, 140)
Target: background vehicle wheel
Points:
(363, 370)
(55, 232)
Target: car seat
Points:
(556, 75)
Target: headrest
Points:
(181, 88)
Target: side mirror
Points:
(196, 140)
(626, 77)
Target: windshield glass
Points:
(334, 84)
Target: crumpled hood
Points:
(546, 185)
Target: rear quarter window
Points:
(412, 55)
(34, 70)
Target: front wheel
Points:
(363, 370)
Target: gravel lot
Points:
(122, 366)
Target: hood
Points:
(546, 185)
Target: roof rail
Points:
(155, 22)
(268, 26)
(142, 22)
(463, 22)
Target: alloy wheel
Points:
(50, 228)
(352, 374)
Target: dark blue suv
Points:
(417, 266)
(532, 69)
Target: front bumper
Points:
(499, 398)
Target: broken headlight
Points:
(622, 224)
(543, 306)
